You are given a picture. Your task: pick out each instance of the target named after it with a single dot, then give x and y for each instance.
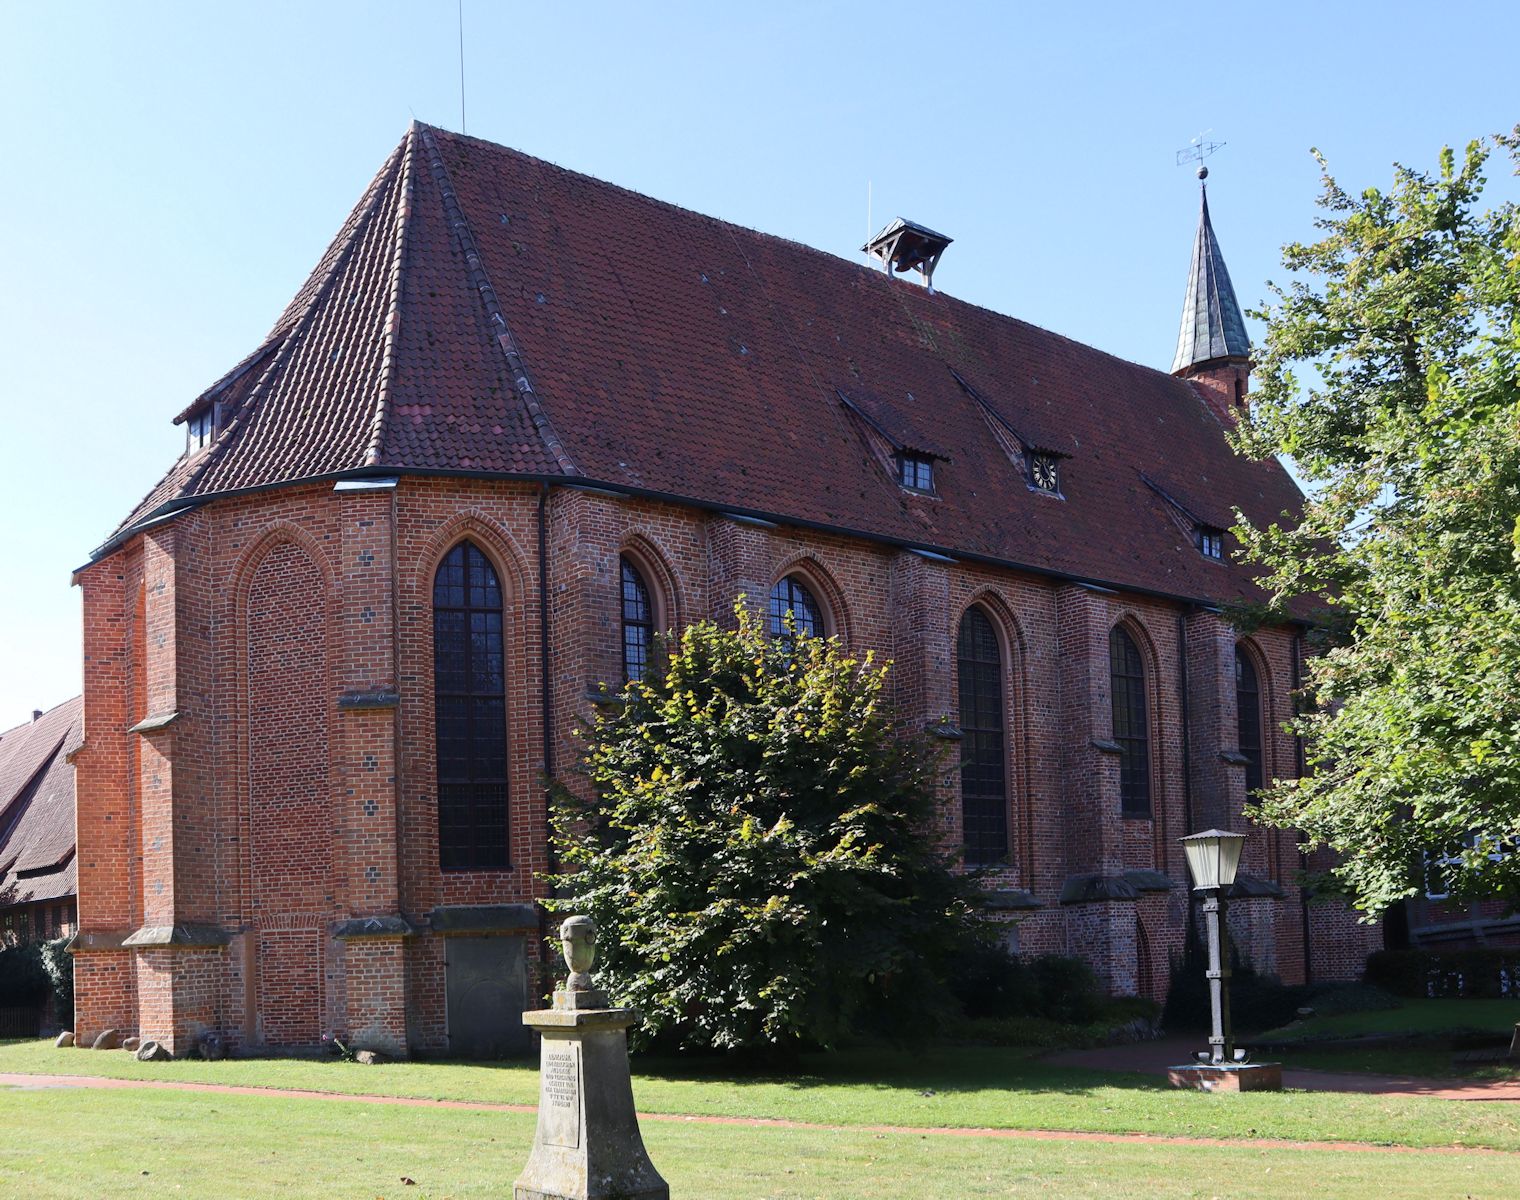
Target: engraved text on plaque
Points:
(559, 1109)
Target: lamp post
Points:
(1212, 858)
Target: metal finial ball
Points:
(1203, 171)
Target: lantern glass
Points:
(1213, 857)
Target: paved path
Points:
(1153, 1058)
(40, 1082)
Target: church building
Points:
(517, 422)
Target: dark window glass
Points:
(1131, 727)
(790, 596)
(201, 428)
(984, 768)
(469, 681)
(915, 473)
(1248, 715)
(638, 623)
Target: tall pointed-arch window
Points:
(470, 711)
(790, 595)
(984, 765)
(1248, 718)
(1131, 726)
(638, 622)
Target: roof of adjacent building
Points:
(1212, 324)
(37, 806)
(485, 312)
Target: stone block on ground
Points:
(130, 1043)
(107, 1039)
(1227, 1077)
(66, 1038)
(151, 1051)
(211, 1047)
(371, 1058)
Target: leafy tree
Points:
(1389, 375)
(759, 854)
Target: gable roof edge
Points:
(373, 451)
(522, 385)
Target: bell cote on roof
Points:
(1213, 350)
(908, 246)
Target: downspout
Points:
(1298, 765)
(1182, 687)
(398, 724)
(546, 715)
(1187, 764)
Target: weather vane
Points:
(1197, 150)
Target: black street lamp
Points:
(1212, 858)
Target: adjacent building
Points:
(37, 866)
(517, 422)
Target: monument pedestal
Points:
(587, 1146)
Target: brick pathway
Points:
(1153, 1058)
(36, 1082)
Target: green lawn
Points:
(1430, 1027)
(76, 1144)
(949, 1087)
(1416, 1017)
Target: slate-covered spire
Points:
(1213, 328)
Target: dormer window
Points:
(1211, 541)
(200, 429)
(1043, 473)
(915, 472)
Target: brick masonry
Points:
(274, 808)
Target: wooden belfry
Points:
(908, 246)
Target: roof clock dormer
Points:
(1213, 351)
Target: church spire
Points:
(1213, 329)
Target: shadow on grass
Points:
(931, 1071)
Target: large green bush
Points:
(760, 853)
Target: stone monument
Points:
(587, 1145)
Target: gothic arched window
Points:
(470, 707)
(984, 765)
(790, 595)
(638, 622)
(1131, 725)
(1248, 718)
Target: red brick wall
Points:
(271, 812)
(290, 700)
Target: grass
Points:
(945, 1087)
(1417, 1017)
(1430, 1032)
(68, 1144)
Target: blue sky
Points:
(173, 170)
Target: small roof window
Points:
(915, 472)
(200, 428)
(1211, 541)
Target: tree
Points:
(758, 851)
(1389, 375)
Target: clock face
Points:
(1043, 469)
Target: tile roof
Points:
(37, 806)
(488, 312)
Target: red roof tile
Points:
(37, 806)
(489, 312)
